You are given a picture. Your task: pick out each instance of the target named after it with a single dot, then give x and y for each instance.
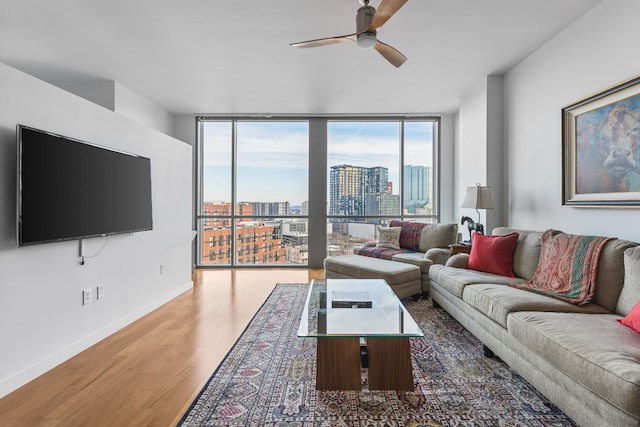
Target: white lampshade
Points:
(477, 197)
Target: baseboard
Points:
(33, 371)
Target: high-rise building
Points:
(294, 226)
(377, 180)
(271, 208)
(383, 204)
(350, 185)
(417, 189)
(346, 190)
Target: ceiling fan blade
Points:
(325, 41)
(390, 54)
(385, 11)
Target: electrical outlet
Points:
(161, 268)
(86, 296)
(100, 292)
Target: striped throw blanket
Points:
(567, 268)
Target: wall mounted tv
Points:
(70, 189)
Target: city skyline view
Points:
(266, 163)
(272, 157)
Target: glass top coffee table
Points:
(349, 316)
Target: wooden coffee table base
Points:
(389, 364)
(338, 364)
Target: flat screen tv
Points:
(70, 189)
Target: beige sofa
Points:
(432, 248)
(579, 357)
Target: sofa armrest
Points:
(415, 258)
(458, 261)
(438, 255)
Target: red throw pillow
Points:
(493, 254)
(632, 320)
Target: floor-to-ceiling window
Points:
(253, 180)
(378, 170)
(252, 192)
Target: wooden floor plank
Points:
(148, 373)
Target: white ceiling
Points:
(233, 56)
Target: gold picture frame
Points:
(600, 155)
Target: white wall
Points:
(495, 153)
(42, 320)
(448, 124)
(478, 157)
(101, 92)
(134, 106)
(596, 52)
(184, 128)
(116, 97)
(471, 151)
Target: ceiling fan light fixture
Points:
(368, 20)
(367, 39)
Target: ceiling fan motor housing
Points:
(366, 39)
(364, 18)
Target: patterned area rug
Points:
(268, 379)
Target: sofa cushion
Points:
(630, 294)
(527, 251)
(592, 349)
(454, 279)
(493, 254)
(438, 236)
(632, 320)
(567, 268)
(389, 237)
(415, 258)
(497, 301)
(611, 274)
(410, 233)
(372, 268)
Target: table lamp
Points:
(478, 197)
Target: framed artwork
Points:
(600, 137)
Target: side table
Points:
(459, 248)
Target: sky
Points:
(273, 156)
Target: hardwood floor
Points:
(148, 373)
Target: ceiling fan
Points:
(368, 20)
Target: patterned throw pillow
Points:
(410, 233)
(389, 237)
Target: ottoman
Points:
(403, 278)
